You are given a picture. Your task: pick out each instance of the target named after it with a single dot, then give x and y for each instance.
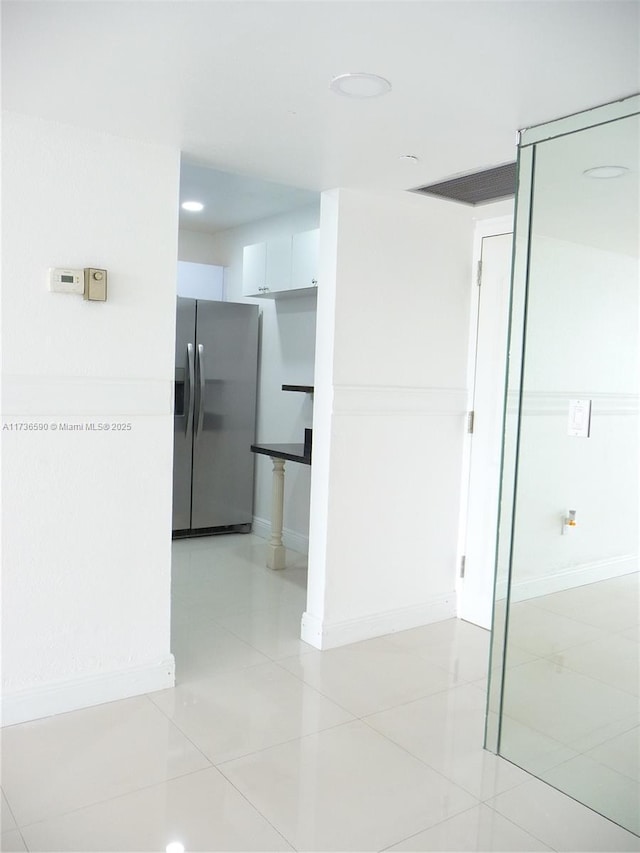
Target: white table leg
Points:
(275, 549)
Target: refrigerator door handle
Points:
(201, 383)
(191, 389)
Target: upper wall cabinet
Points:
(285, 266)
(304, 259)
(254, 269)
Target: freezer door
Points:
(184, 405)
(225, 415)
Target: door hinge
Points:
(479, 274)
(471, 416)
(463, 561)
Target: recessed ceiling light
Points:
(360, 85)
(409, 158)
(193, 206)
(175, 847)
(605, 172)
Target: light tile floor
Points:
(580, 691)
(267, 744)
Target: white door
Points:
(476, 586)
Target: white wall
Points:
(389, 413)
(198, 247)
(287, 355)
(200, 281)
(582, 342)
(86, 515)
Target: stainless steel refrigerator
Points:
(214, 415)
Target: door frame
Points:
(493, 227)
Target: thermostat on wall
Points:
(66, 281)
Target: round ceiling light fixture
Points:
(193, 206)
(605, 172)
(409, 158)
(359, 84)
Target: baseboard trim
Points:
(326, 635)
(45, 701)
(586, 573)
(291, 538)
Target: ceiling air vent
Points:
(476, 188)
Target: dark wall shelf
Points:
(307, 389)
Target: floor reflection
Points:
(571, 697)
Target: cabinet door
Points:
(254, 269)
(304, 263)
(278, 264)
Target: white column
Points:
(275, 549)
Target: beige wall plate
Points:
(95, 284)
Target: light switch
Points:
(579, 418)
(95, 284)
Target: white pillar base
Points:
(276, 556)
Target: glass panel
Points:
(567, 596)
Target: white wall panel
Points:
(86, 514)
(389, 419)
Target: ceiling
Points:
(230, 200)
(243, 87)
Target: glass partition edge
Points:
(622, 108)
(508, 472)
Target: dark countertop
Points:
(307, 389)
(292, 452)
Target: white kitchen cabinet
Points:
(254, 269)
(304, 259)
(278, 277)
(284, 266)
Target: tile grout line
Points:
(614, 824)
(256, 809)
(518, 826)
(220, 767)
(114, 798)
(263, 749)
(386, 708)
(586, 675)
(479, 800)
(184, 735)
(218, 764)
(433, 826)
(6, 799)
